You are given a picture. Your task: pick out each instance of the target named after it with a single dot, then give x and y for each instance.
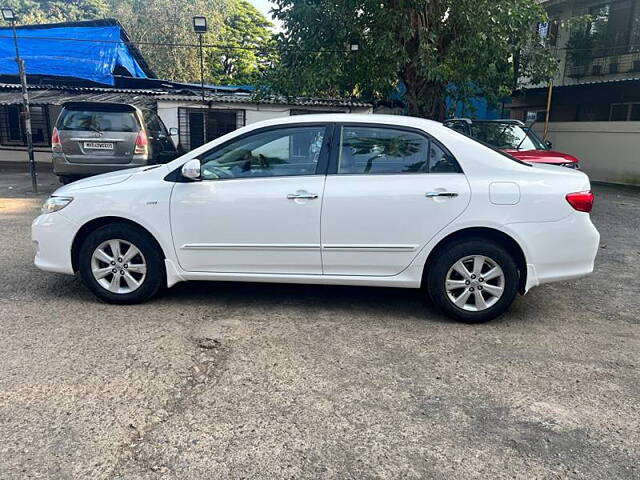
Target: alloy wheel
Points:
(475, 283)
(118, 266)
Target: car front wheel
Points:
(473, 280)
(121, 264)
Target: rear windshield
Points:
(97, 121)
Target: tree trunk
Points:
(424, 98)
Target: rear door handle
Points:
(302, 194)
(441, 194)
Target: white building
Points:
(595, 110)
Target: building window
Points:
(12, 131)
(198, 126)
(625, 112)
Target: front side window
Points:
(382, 150)
(282, 152)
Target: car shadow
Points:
(407, 303)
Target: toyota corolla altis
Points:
(328, 199)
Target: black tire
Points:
(66, 179)
(451, 253)
(154, 278)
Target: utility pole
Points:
(9, 16)
(200, 28)
(201, 67)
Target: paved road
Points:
(219, 380)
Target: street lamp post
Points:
(200, 28)
(9, 16)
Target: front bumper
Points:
(52, 236)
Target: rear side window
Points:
(383, 150)
(98, 121)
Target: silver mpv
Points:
(91, 138)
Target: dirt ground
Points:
(216, 380)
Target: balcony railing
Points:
(618, 62)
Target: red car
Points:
(514, 138)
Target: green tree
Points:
(165, 30)
(51, 11)
(251, 46)
(483, 47)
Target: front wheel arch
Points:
(92, 225)
(484, 233)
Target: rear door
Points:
(100, 134)
(388, 192)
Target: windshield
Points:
(98, 121)
(506, 136)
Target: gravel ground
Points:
(216, 380)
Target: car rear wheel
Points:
(121, 264)
(472, 280)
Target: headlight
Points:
(53, 204)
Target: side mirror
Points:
(191, 170)
(173, 131)
(548, 144)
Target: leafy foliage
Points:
(164, 27)
(483, 47)
(247, 32)
(51, 11)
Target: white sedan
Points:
(330, 199)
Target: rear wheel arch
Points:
(483, 233)
(92, 225)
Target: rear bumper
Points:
(61, 166)
(558, 251)
(52, 236)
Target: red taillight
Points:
(581, 201)
(141, 143)
(55, 139)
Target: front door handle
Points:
(302, 194)
(441, 194)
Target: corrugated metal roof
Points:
(247, 98)
(57, 95)
(587, 83)
(13, 86)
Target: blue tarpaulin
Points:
(88, 51)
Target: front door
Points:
(257, 208)
(388, 193)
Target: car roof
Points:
(370, 118)
(510, 121)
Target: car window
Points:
(287, 151)
(98, 121)
(441, 161)
(384, 150)
(506, 136)
(460, 127)
(153, 122)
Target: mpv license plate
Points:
(98, 145)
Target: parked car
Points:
(515, 138)
(328, 199)
(91, 138)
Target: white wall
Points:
(9, 154)
(168, 111)
(608, 151)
